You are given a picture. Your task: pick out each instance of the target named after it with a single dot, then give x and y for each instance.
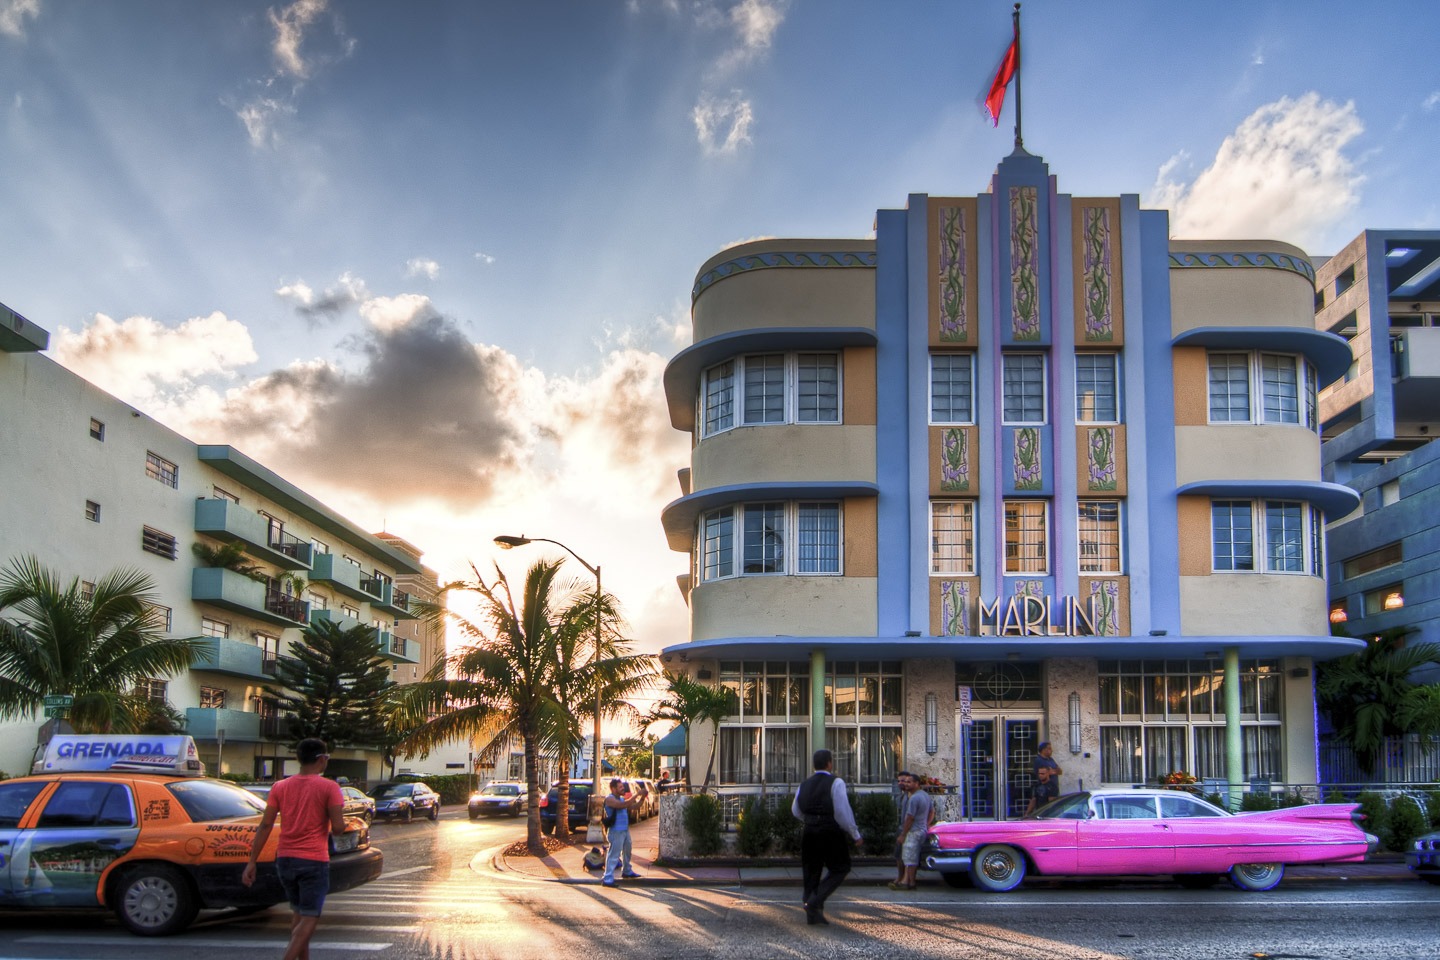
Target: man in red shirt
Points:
(310, 809)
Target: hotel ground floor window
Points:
(767, 738)
(763, 754)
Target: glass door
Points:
(997, 763)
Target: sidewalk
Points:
(566, 866)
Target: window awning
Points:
(673, 744)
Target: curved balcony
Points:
(1328, 352)
(1333, 499)
(786, 453)
(679, 515)
(1247, 452)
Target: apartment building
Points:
(1018, 469)
(95, 485)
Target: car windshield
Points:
(1073, 806)
(207, 800)
(500, 790)
(393, 790)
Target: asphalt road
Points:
(431, 903)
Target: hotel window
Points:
(1097, 387)
(1099, 527)
(952, 537)
(1377, 559)
(766, 737)
(92, 511)
(87, 591)
(1024, 382)
(863, 708)
(164, 617)
(320, 546)
(158, 468)
(1027, 536)
(349, 611)
(773, 388)
(352, 561)
(1291, 533)
(1285, 384)
(813, 528)
(97, 430)
(212, 698)
(151, 689)
(220, 493)
(1385, 599)
(214, 628)
(1160, 716)
(952, 388)
(318, 601)
(158, 543)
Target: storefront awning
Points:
(673, 744)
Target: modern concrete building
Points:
(1382, 294)
(93, 485)
(1018, 469)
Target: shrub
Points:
(452, 787)
(1257, 801)
(1407, 821)
(1294, 799)
(787, 831)
(1431, 804)
(756, 828)
(232, 777)
(879, 821)
(1215, 800)
(1377, 816)
(704, 821)
(1334, 796)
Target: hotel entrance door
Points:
(1000, 753)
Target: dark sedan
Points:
(494, 799)
(405, 801)
(579, 807)
(357, 804)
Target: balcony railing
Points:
(374, 586)
(292, 546)
(270, 665)
(291, 608)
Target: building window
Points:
(92, 511)
(1291, 532)
(1100, 539)
(952, 537)
(863, 705)
(1286, 385)
(353, 562)
(151, 689)
(1024, 399)
(97, 430)
(158, 543)
(1097, 387)
(814, 529)
(87, 591)
(220, 493)
(158, 468)
(1377, 559)
(320, 546)
(1027, 536)
(212, 698)
(318, 601)
(164, 617)
(349, 611)
(765, 738)
(1385, 599)
(214, 628)
(774, 387)
(1389, 492)
(952, 388)
(1160, 716)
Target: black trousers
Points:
(823, 849)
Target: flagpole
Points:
(1019, 138)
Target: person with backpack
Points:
(619, 806)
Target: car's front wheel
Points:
(998, 868)
(155, 900)
(1257, 877)
(435, 813)
(408, 815)
(515, 810)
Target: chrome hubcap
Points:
(151, 901)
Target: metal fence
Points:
(1404, 760)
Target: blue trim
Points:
(1335, 499)
(1330, 353)
(1061, 467)
(1154, 564)
(679, 516)
(1028, 649)
(825, 259)
(682, 373)
(902, 444)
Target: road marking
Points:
(183, 941)
(404, 873)
(1090, 901)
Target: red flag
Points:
(995, 99)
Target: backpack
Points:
(609, 818)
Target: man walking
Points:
(914, 825)
(821, 804)
(619, 806)
(310, 808)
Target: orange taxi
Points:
(130, 823)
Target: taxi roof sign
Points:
(134, 753)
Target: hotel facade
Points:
(1018, 469)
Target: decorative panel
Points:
(1101, 463)
(954, 301)
(1024, 264)
(1112, 604)
(953, 459)
(951, 603)
(1027, 459)
(1095, 242)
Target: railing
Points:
(290, 545)
(1403, 760)
(270, 665)
(397, 646)
(400, 599)
(373, 586)
(291, 608)
(274, 727)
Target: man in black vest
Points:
(821, 804)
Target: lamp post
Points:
(594, 832)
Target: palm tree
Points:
(502, 682)
(92, 644)
(689, 702)
(1368, 695)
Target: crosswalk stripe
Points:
(190, 942)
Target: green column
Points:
(817, 700)
(1234, 745)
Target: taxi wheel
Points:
(155, 900)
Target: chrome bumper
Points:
(946, 861)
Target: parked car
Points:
(579, 806)
(501, 796)
(650, 804)
(1110, 832)
(357, 804)
(406, 801)
(1424, 857)
(130, 823)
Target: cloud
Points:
(260, 117)
(1432, 101)
(140, 357)
(13, 14)
(422, 266)
(388, 314)
(722, 125)
(755, 23)
(484, 258)
(348, 291)
(277, 95)
(1283, 173)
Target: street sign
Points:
(58, 700)
(962, 693)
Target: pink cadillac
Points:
(1111, 832)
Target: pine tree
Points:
(333, 685)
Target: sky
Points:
(428, 260)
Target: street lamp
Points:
(594, 832)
